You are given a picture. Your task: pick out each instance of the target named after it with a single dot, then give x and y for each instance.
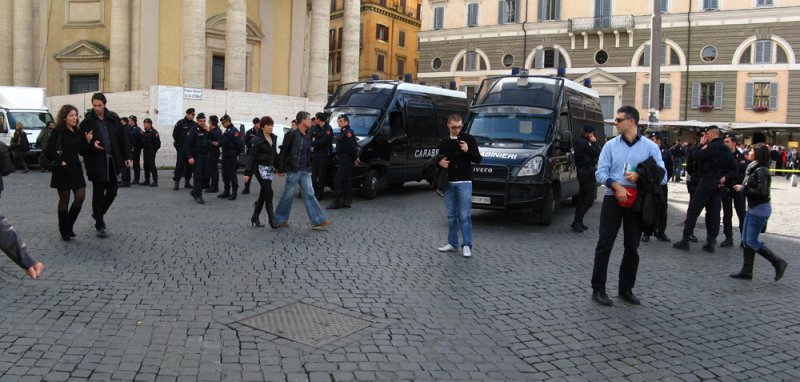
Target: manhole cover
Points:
(306, 324)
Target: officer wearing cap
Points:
(150, 143)
(212, 185)
(347, 151)
(659, 228)
(587, 150)
(710, 162)
(125, 175)
(179, 133)
(136, 148)
(321, 148)
(730, 198)
(231, 147)
(248, 136)
(196, 150)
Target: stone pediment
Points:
(600, 76)
(83, 50)
(215, 26)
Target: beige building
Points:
(724, 61)
(75, 46)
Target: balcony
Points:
(601, 24)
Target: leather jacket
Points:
(756, 184)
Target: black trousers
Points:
(150, 165)
(213, 178)
(342, 184)
(730, 200)
(612, 216)
(103, 194)
(709, 196)
(201, 172)
(182, 168)
(136, 157)
(229, 173)
(586, 195)
(264, 195)
(319, 173)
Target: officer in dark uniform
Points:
(179, 133)
(730, 198)
(151, 142)
(214, 154)
(678, 152)
(321, 145)
(347, 151)
(196, 150)
(587, 150)
(660, 227)
(136, 148)
(125, 175)
(712, 158)
(692, 171)
(248, 136)
(231, 147)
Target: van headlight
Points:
(532, 167)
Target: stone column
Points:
(351, 39)
(318, 67)
(120, 51)
(136, 45)
(23, 42)
(6, 29)
(193, 43)
(235, 46)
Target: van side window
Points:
(563, 124)
(420, 123)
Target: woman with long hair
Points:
(63, 147)
(756, 188)
(261, 161)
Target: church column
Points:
(136, 45)
(120, 60)
(350, 40)
(23, 42)
(6, 45)
(193, 44)
(318, 67)
(236, 46)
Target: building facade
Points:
(387, 40)
(722, 61)
(75, 46)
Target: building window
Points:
(765, 3)
(708, 54)
(339, 41)
(472, 14)
(436, 63)
(664, 95)
(707, 95)
(508, 12)
(83, 83)
(333, 6)
(338, 63)
(669, 56)
(401, 39)
(548, 58)
(381, 62)
(382, 33)
(508, 60)
(710, 5)
(402, 6)
(332, 39)
(764, 52)
(601, 57)
(438, 18)
(762, 96)
(471, 61)
(664, 6)
(549, 10)
(401, 67)
(218, 72)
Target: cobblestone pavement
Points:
(161, 299)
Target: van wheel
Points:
(370, 188)
(549, 206)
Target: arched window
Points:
(548, 58)
(669, 56)
(470, 62)
(764, 52)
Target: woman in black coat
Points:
(261, 161)
(63, 147)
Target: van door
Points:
(397, 141)
(422, 137)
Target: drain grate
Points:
(306, 324)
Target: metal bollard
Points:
(793, 180)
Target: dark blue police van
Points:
(398, 125)
(525, 127)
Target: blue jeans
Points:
(458, 201)
(284, 208)
(752, 228)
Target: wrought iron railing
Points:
(586, 24)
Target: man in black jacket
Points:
(587, 150)
(248, 136)
(108, 155)
(460, 150)
(135, 139)
(347, 151)
(658, 228)
(730, 198)
(231, 144)
(322, 143)
(179, 133)
(196, 150)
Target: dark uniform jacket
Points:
(216, 136)
(230, 143)
(248, 136)
(135, 136)
(347, 148)
(460, 167)
(712, 162)
(666, 156)
(180, 132)
(586, 155)
(737, 166)
(94, 160)
(322, 140)
(150, 140)
(198, 143)
(261, 154)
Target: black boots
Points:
(779, 264)
(225, 193)
(747, 267)
(155, 183)
(254, 220)
(246, 189)
(271, 216)
(72, 217)
(63, 225)
(177, 185)
(728, 242)
(233, 195)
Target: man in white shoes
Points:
(459, 151)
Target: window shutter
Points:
(645, 96)
(718, 95)
(646, 55)
(542, 10)
(759, 52)
(538, 59)
(558, 9)
(664, 48)
(773, 95)
(695, 95)
(748, 96)
(667, 101)
(501, 12)
(516, 15)
(556, 58)
(438, 18)
(472, 12)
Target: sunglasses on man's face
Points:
(619, 120)
(456, 127)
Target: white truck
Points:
(26, 105)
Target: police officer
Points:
(125, 176)
(692, 171)
(231, 147)
(730, 198)
(347, 151)
(150, 142)
(179, 133)
(136, 148)
(678, 152)
(711, 165)
(660, 227)
(248, 136)
(321, 143)
(587, 150)
(196, 150)
(213, 158)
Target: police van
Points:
(525, 127)
(398, 126)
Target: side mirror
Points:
(385, 131)
(565, 140)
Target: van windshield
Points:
(361, 120)
(510, 127)
(31, 120)
(357, 95)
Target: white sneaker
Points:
(467, 251)
(448, 248)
